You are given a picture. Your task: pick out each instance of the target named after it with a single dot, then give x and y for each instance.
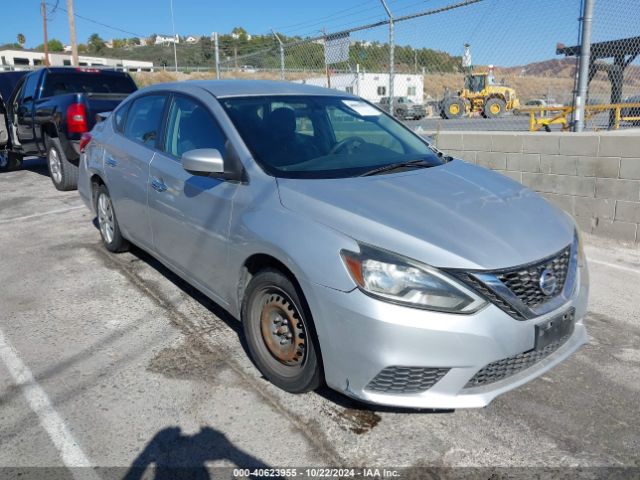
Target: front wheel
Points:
(107, 223)
(279, 332)
(63, 173)
(494, 107)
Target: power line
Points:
(91, 20)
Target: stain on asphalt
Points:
(191, 360)
(352, 419)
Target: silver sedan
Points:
(352, 251)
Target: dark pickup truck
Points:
(49, 110)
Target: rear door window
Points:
(29, 89)
(144, 119)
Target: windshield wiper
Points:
(395, 166)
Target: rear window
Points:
(78, 82)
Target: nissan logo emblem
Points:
(548, 282)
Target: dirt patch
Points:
(191, 360)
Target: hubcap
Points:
(283, 330)
(105, 217)
(454, 109)
(54, 166)
(495, 108)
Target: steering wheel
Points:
(347, 143)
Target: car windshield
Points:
(324, 136)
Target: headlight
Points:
(397, 279)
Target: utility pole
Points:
(281, 54)
(583, 72)
(175, 38)
(326, 64)
(43, 11)
(216, 46)
(72, 33)
(392, 48)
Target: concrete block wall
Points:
(595, 176)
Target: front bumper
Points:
(360, 336)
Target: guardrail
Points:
(561, 115)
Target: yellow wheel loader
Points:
(480, 94)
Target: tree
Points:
(95, 44)
(119, 43)
(54, 45)
(21, 39)
(82, 48)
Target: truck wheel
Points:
(279, 333)
(453, 108)
(494, 107)
(10, 161)
(63, 173)
(107, 222)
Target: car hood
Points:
(455, 215)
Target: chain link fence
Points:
(468, 65)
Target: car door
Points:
(190, 212)
(24, 113)
(126, 163)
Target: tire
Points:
(453, 108)
(10, 161)
(494, 108)
(274, 313)
(63, 173)
(107, 222)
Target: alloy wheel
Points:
(106, 221)
(55, 166)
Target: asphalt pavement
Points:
(111, 360)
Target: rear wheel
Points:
(279, 332)
(494, 107)
(108, 223)
(63, 173)
(453, 108)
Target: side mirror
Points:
(203, 160)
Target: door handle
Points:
(112, 162)
(158, 185)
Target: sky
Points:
(501, 32)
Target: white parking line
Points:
(36, 215)
(616, 266)
(70, 451)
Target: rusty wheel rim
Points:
(283, 330)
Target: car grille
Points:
(490, 295)
(406, 379)
(523, 296)
(525, 283)
(506, 367)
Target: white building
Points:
(191, 39)
(167, 39)
(27, 59)
(374, 86)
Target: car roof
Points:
(245, 88)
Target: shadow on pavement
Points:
(175, 455)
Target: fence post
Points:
(583, 72)
(392, 48)
(217, 54)
(281, 54)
